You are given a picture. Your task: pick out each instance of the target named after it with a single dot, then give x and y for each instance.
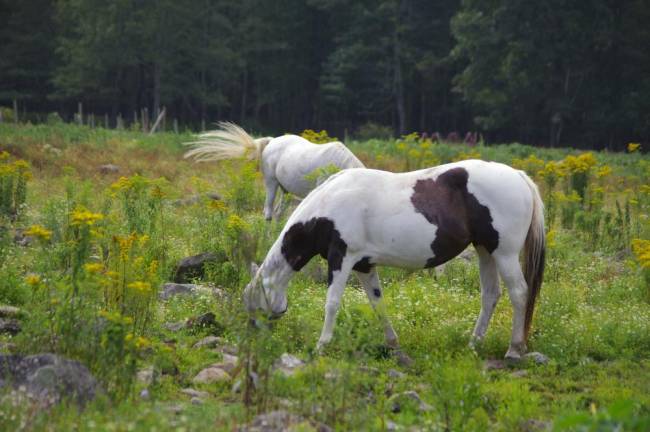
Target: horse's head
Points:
(265, 294)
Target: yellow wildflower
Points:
(39, 232)
(129, 337)
(142, 287)
(33, 280)
(641, 249)
(142, 343)
(82, 216)
(217, 205)
(604, 171)
(235, 223)
(632, 147)
(93, 267)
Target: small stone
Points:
(174, 327)
(533, 425)
(144, 394)
(196, 401)
(10, 312)
(171, 289)
(495, 364)
(288, 364)
(394, 373)
(10, 326)
(7, 346)
(209, 342)
(281, 420)
(519, 373)
(145, 376)
(537, 358)
(398, 400)
(21, 239)
(195, 393)
(227, 349)
(109, 169)
(403, 359)
(211, 375)
(391, 426)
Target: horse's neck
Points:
(275, 267)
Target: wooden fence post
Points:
(105, 120)
(80, 113)
(119, 123)
(175, 126)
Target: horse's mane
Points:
(228, 142)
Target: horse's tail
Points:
(228, 142)
(534, 253)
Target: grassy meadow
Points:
(101, 244)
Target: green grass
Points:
(592, 320)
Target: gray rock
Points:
(288, 364)
(174, 327)
(171, 289)
(193, 267)
(10, 312)
(21, 239)
(7, 346)
(205, 320)
(211, 375)
(196, 401)
(391, 426)
(521, 373)
(536, 357)
(109, 169)
(10, 326)
(229, 363)
(48, 378)
(144, 394)
(495, 364)
(145, 376)
(398, 400)
(394, 373)
(533, 425)
(402, 359)
(281, 421)
(209, 342)
(195, 393)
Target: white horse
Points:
(288, 161)
(361, 218)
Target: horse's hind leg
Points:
(510, 271)
(372, 286)
(490, 293)
(271, 184)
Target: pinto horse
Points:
(287, 161)
(361, 218)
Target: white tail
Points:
(534, 252)
(228, 142)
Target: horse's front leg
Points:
(372, 286)
(337, 280)
(271, 184)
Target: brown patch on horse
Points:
(446, 203)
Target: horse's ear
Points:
(253, 269)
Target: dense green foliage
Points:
(575, 73)
(102, 244)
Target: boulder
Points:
(193, 267)
(10, 312)
(47, 378)
(209, 342)
(195, 393)
(280, 421)
(536, 357)
(171, 289)
(288, 364)
(109, 169)
(398, 400)
(10, 326)
(211, 375)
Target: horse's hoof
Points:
(402, 358)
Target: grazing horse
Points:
(361, 218)
(287, 161)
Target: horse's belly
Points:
(403, 242)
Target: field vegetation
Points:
(96, 246)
